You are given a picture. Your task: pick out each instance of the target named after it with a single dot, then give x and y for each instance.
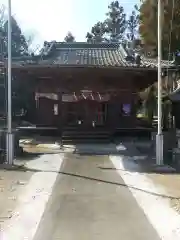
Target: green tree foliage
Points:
(69, 37)
(19, 42)
(170, 25)
(2, 32)
(19, 48)
(113, 28)
(116, 22)
(132, 24)
(149, 102)
(97, 33)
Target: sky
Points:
(52, 19)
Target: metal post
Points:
(9, 95)
(159, 136)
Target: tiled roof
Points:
(88, 54)
(102, 54)
(98, 54)
(152, 62)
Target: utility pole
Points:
(10, 146)
(159, 136)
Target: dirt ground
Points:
(11, 186)
(171, 184)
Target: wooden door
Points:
(85, 114)
(100, 113)
(46, 111)
(71, 114)
(92, 113)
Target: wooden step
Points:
(85, 133)
(90, 135)
(76, 141)
(74, 136)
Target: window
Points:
(126, 109)
(56, 109)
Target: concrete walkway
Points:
(91, 202)
(90, 192)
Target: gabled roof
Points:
(87, 54)
(98, 54)
(102, 54)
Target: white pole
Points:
(9, 95)
(159, 137)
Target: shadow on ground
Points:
(126, 151)
(23, 168)
(136, 156)
(28, 156)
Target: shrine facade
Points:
(85, 85)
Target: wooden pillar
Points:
(60, 117)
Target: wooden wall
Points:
(122, 87)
